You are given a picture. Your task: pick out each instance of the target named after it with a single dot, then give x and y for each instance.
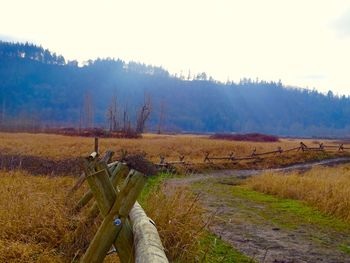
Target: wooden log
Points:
(108, 231)
(292, 149)
(120, 172)
(125, 236)
(245, 158)
(220, 158)
(129, 192)
(103, 190)
(78, 183)
(83, 201)
(112, 165)
(148, 247)
(206, 157)
(103, 240)
(303, 146)
(89, 166)
(253, 153)
(107, 156)
(125, 243)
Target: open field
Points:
(57, 148)
(36, 224)
(171, 146)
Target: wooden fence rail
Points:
(254, 155)
(125, 227)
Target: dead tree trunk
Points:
(161, 117)
(143, 115)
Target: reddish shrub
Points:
(250, 137)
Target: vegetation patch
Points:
(40, 165)
(295, 213)
(249, 137)
(216, 250)
(345, 248)
(326, 189)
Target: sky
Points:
(302, 43)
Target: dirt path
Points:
(263, 229)
(242, 174)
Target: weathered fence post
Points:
(96, 144)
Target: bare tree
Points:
(112, 114)
(161, 117)
(88, 118)
(126, 120)
(143, 114)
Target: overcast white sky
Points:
(305, 43)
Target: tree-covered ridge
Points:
(30, 51)
(38, 84)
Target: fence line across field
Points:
(254, 155)
(208, 158)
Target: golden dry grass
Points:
(171, 146)
(35, 222)
(33, 218)
(179, 219)
(327, 189)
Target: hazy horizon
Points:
(303, 44)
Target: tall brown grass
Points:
(327, 189)
(192, 147)
(180, 223)
(36, 223)
(35, 220)
(32, 217)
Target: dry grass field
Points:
(193, 147)
(36, 223)
(327, 189)
(35, 220)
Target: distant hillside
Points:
(38, 87)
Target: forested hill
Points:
(36, 84)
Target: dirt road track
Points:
(240, 222)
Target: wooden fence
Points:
(125, 228)
(169, 166)
(255, 155)
(208, 158)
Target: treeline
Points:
(41, 89)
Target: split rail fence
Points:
(208, 158)
(125, 228)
